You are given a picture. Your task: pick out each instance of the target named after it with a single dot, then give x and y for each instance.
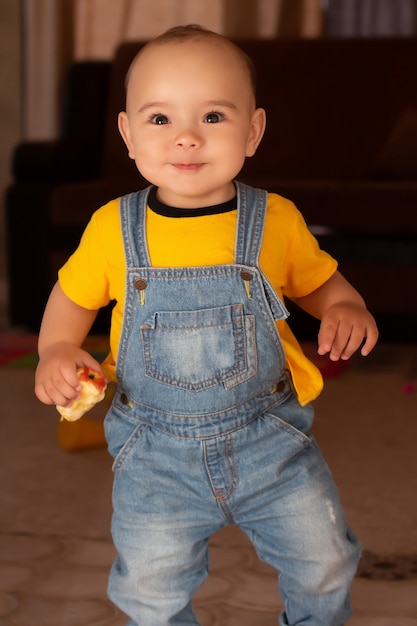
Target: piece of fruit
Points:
(93, 387)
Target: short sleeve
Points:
(86, 276)
(308, 266)
(291, 256)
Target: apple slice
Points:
(93, 387)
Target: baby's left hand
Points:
(344, 328)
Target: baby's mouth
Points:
(188, 167)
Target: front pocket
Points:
(122, 433)
(296, 420)
(195, 350)
(128, 447)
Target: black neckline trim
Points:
(169, 211)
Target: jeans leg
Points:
(155, 576)
(290, 509)
(164, 514)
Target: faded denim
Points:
(206, 432)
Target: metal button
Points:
(246, 275)
(124, 399)
(140, 284)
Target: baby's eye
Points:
(159, 119)
(213, 117)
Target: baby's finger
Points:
(334, 339)
(344, 343)
(372, 335)
(51, 393)
(326, 337)
(67, 378)
(354, 342)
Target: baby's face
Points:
(191, 120)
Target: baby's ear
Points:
(124, 129)
(257, 129)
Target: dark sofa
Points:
(341, 142)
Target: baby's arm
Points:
(345, 321)
(64, 327)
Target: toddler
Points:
(210, 423)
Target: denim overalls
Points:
(206, 432)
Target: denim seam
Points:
(281, 424)
(222, 495)
(227, 413)
(128, 447)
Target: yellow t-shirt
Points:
(290, 258)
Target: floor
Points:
(55, 546)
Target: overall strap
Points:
(133, 223)
(251, 204)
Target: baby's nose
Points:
(188, 138)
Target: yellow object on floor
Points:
(83, 434)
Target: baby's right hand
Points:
(56, 380)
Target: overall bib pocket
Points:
(195, 350)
